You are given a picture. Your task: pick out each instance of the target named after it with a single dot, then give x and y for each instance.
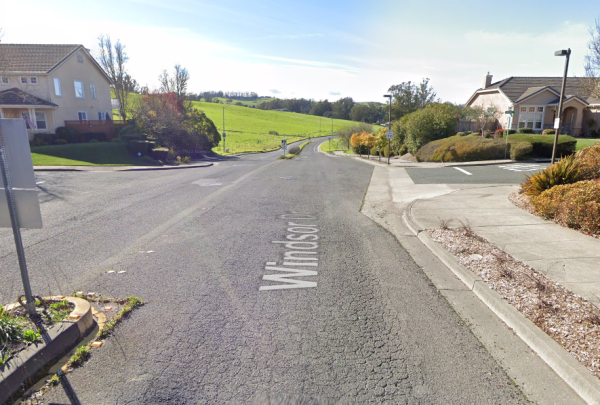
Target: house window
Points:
(33, 80)
(93, 90)
(79, 92)
(40, 120)
(102, 115)
(57, 88)
(4, 80)
(79, 58)
(531, 117)
(82, 115)
(24, 80)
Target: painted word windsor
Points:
(301, 251)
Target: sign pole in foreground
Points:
(508, 128)
(12, 209)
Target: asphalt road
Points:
(365, 326)
(504, 173)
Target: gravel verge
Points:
(567, 318)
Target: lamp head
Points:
(387, 95)
(562, 52)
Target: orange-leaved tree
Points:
(355, 141)
(368, 141)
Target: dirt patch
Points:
(567, 318)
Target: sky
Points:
(320, 49)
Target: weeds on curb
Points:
(80, 356)
(445, 223)
(130, 305)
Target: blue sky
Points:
(321, 49)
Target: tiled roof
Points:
(18, 97)
(517, 88)
(33, 58)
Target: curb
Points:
(59, 340)
(118, 169)
(579, 378)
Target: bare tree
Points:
(484, 116)
(113, 59)
(591, 84)
(177, 83)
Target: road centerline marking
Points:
(464, 171)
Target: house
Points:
(535, 103)
(50, 85)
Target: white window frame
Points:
(42, 121)
(57, 87)
(33, 80)
(82, 88)
(93, 90)
(102, 115)
(5, 83)
(82, 113)
(21, 80)
(527, 118)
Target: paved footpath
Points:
(564, 255)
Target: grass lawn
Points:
(336, 144)
(584, 143)
(83, 154)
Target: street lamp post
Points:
(389, 96)
(557, 122)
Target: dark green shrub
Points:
(132, 137)
(68, 133)
(44, 139)
(525, 131)
(294, 150)
(88, 136)
(273, 133)
(462, 149)
(542, 145)
(403, 150)
(160, 154)
(129, 129)
(93, 140)
(60, 142)
(510, 131)
(136, 147)
(549, 132)
(10, 331)
(374, 151)
(520, 150)
(149, 160)
(116, 140)
(487, 133)
(460, 134)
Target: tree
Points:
(484, 116)
(436, 121)
(177, 83)
(113, 59)
(320, 108)
(341, 108)
(409, 97)
(131, 85)
(591, 85)
(346, 132)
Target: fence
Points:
(110, 127)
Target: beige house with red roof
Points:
(535, 102)
(49, 84)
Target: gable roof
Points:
(19, 97)
(39, 58)
(516, 89)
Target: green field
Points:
(335, 144)
(83, 154)
(584, 143)
(248, 128)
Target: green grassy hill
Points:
(248, 128)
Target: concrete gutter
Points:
(579, 378)
(59, 340)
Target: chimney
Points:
(488, 81)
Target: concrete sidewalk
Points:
(563, 255)
(116, 168)
(552, 375)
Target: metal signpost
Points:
(283, 146)
(389, 134)
(508, 128)
(19, 202)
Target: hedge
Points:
(542, 145)
(136, 147)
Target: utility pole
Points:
(389, 126)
